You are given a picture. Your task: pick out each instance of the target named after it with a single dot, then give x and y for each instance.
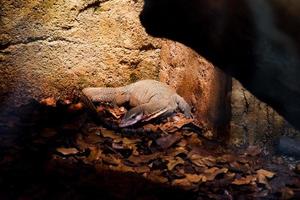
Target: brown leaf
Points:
(211, 173)
(144, 158)
(151, 127)
(67, 151)
(175, 123)
(50, 101)
(116, 112)
(173, 162)
(287, 193)
(48, 132)
(195, 178)
(182, 182)
(110, 134)
(101, 108)
(202, 161)
(253, 150)
(95, 154)
(167, 141)
(265, 173)
(244, 180)
(156, 176)
(141, 169)
(226, 158)
(75, 107)
(110, 159)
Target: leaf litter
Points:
(163, 152)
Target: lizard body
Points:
(148, 98)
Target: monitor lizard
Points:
(148, 99)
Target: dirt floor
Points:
(58, 150)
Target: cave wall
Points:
(55, 48)
(51, 48)
(254, 122)
(206, 88)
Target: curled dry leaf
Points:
(75, 107)
(173, 162)
(175, 123)
(202, 161)
(253, 150)
(50, 101)
(195, 178)
(262, 176)
(265, 173)
(141, 169)
(287, 193)
(144, 158)
(184, 182)
(110, 159)
(100, 108)
(244, 180)
(151, 127)
(156, 176)
(95, 154)
(67, 151)
(117, 112)
(110, 134)
(211, 173)
(167, 141)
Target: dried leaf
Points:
(227, 158)
(195, 178)
(141, 169)
(67, 151)
(116, 112)
(151, 128)
(253, 150)
(156, 176)
(175, 123)
(211, 173)
(144, 158)
(95, 154)
(100, 108)
(75, 107)
(48, 132)
(173, 162)
(202, 161)
(182, 182)
(287, 193)
(50, 101)
(110, 134)
(110, 159)
(265, 173)
(167, 141)
(244, 180)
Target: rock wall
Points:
(205, 87)
(254, 122)
(55, 47)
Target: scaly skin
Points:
(148, 98)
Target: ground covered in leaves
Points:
(58, 150)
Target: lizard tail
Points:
(100, 94)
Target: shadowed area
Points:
(257, 42)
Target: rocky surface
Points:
(255, 122)
(205, 87)
(51, 48)
(54, 48)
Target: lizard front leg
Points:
(143, 112)
(183, 106)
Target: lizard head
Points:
(131, 117)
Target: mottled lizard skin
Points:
(148, 99)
